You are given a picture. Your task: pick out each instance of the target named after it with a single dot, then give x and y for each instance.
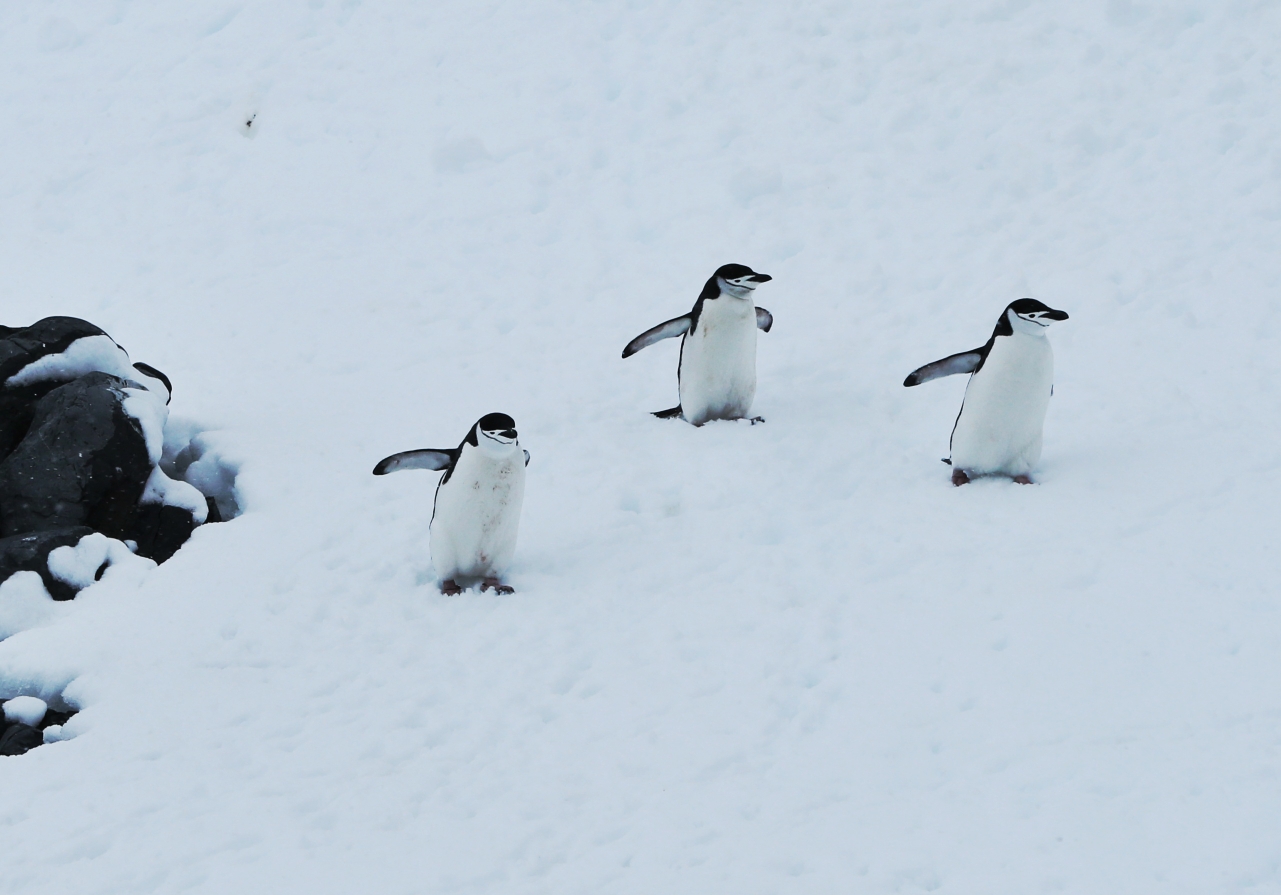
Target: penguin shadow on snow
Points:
(476, 511)
(998, 430)
(716, 374)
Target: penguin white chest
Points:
(1002, 418)
(718, 362)
(473, 530)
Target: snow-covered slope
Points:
(782, 658)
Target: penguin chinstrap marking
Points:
(717, 370)
(477, 508)
(998, 430)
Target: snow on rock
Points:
(205, 464)
(24, 723)
(29, 552)
(196, 455)
(93, 557)
(87, 355)
(151, 414)
(163, 490)
(26, 709)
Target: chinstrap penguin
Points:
(477, 508)
(998, 430)
(717, 370)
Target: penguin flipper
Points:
(425, 458)
(965, 362)
(764, 320)
(526, 458)
(670, 329)
(670, 413)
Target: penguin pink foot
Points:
(959, 477)
(1023, 480)
(449, 587)
(497, 586)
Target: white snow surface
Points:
(782, 658)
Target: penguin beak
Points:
(760, 278)
(1055, 315)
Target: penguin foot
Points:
(449, 587)
(757, 419)
(959, 477)
(1023, 480)
(497, 586)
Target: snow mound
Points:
(199, 457)
(24, 603)
(94, 557)
(25, 709)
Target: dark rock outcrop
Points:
(80, 427)
(160, 529)
(17, 738)
(83, 461)
(23, 346)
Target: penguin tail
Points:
(945, 460)
(670, 413)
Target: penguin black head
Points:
(1030, 316)
(737, 280)
(495, 432)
